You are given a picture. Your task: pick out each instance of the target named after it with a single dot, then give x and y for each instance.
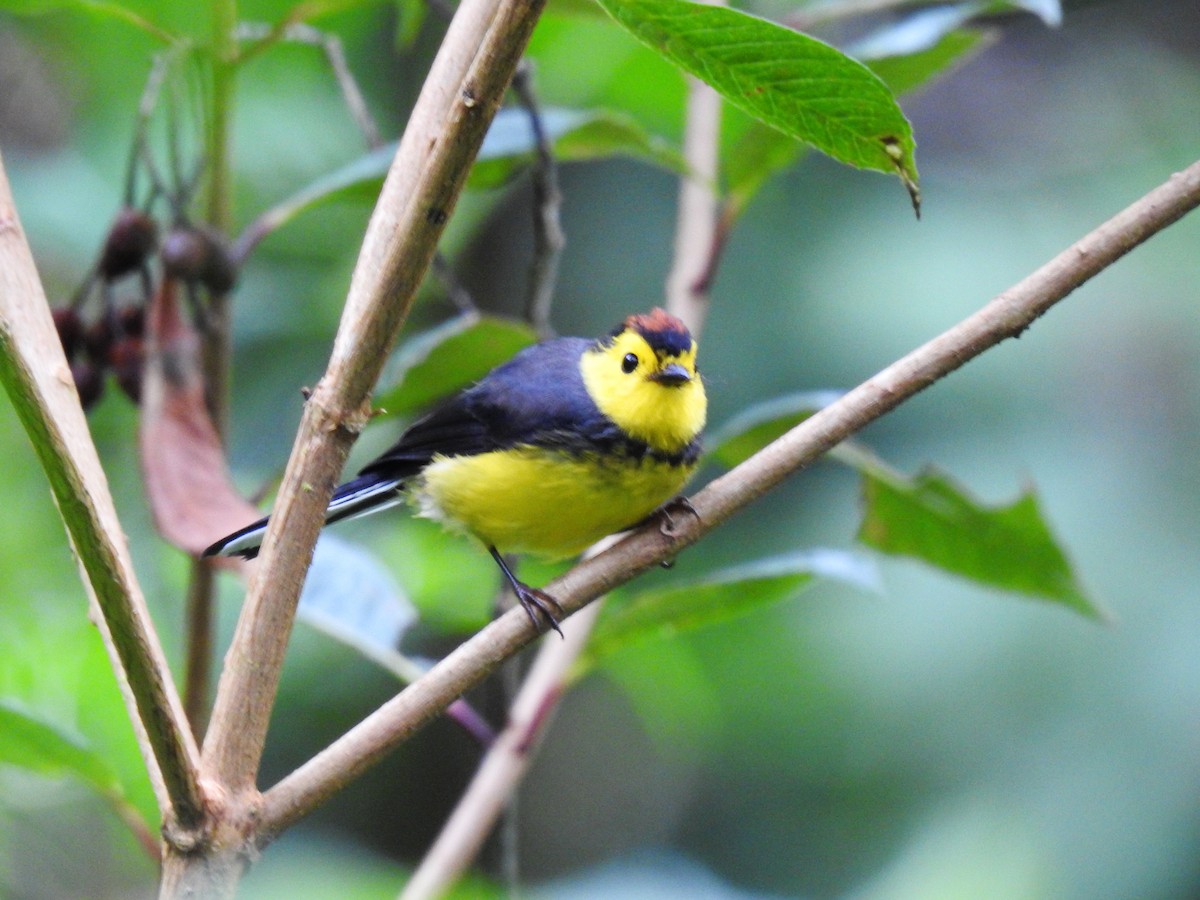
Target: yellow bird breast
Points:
(545, 502)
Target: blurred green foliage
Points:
(942, 740)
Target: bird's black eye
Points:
(629, 363)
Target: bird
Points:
(569, 441)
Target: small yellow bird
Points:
(571, 440)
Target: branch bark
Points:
(35, 372)
(697, 225)
(1007, 315)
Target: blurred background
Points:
(934, 739)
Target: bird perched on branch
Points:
(571, 440)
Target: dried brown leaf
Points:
(188, 486)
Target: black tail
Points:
(364, 495)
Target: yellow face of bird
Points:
(645, 379)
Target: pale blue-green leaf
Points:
(573, 135)
(1049, 11)
(447, 358)
(907, 73)
(509, 144)
(350, 596)
(752, 429)
(665, 612)
(923, 28)
(917, 31)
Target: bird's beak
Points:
(672, 375)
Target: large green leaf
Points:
(934, 520)
(732, 592)
(791, 81)
(761, 151)
(928, 517)
(449, 357)
(751, 430)
(38, 746)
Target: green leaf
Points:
(793, 82)
(447, 358)
(361, 177)
(909, 72)
(575, 9)
(99, 8)
(574, 136)
(1049, 11)
(37, 746)
(925, 27)
(748, 432)
(760, 152)
(725, 595)
(410, 16)
(934, 520)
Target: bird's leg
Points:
(542, 609)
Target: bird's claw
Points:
(666, 522)
(543, 610)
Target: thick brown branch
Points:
(1006, 316)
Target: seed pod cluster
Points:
(199, 255)
(131, 241)
(113, 342)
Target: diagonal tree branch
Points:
(34, 370)
(463, 91)
(1007, 315)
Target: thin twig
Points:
(505, 765)
(1008, 315)
(335, 56)
(199, 629)
(456, 293)
(697, 223)
(548, 236)
(217, 348)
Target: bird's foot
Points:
(666, 521)
(543, 610)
